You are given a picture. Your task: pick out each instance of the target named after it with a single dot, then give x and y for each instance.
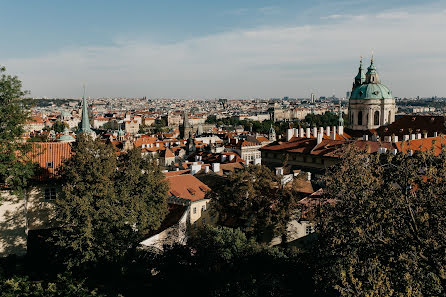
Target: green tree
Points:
(15, 158)
(385, 234)
(59, 126)
(88, 211)
(106, 206)
(142, 187)
(64, 286)
(254, 198)
(211, 119)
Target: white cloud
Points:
(262, 62)
(394, 15)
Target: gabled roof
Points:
(167, 153)
(187, 186)
(49, 156)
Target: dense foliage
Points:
(254, 200)
(386, 234)
(15, 159)
(106, 205)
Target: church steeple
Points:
(360, 77)
(272, 134)
(85, 123)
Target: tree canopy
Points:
(15, 159)
(106, 205)
(254, 200)
(386, 234)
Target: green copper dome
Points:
(371, 91)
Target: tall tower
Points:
(85, 123)
(272, 134)
(186, 127)
(371, 103)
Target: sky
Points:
(222, 49)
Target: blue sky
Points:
(221, 48)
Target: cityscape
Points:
(239, 169)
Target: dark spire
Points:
(360, 77)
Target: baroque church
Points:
(371, 103)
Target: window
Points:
(390, 117)
(203, 208)
(49, 164)
(376, 118)
(195, 210)
(360, 118)
(203, 221)
(308, 229)
(50, 194)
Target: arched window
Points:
(360, 118)
(390, 117)
(376, 118)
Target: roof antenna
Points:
(372, 56)
(84, 90)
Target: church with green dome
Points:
(371, 104)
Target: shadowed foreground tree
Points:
(106, 206)
(386, 234)
(227, 263)
(64, 286)
(15, 164)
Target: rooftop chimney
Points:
(365, 137)
(387, 138)
(216, 167)
(418, 135)
(327, 131)
(206, 169)
(231, 157)
(223, 158)
(412, 136)
(435, 134)
(308, 133)
(319, 138)
(301, 132)
(296, 132)
(289, 134)
(314, 132)
(341, 130)
(279, 170)
(425, 134)
(333, 135)
(405, 137)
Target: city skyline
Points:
(224, 50)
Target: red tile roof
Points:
(55, 153)
(187, 186)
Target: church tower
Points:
(371, 104)
(85, 123)
(272, 134)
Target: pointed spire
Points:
(360, 77)
(85, 123)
